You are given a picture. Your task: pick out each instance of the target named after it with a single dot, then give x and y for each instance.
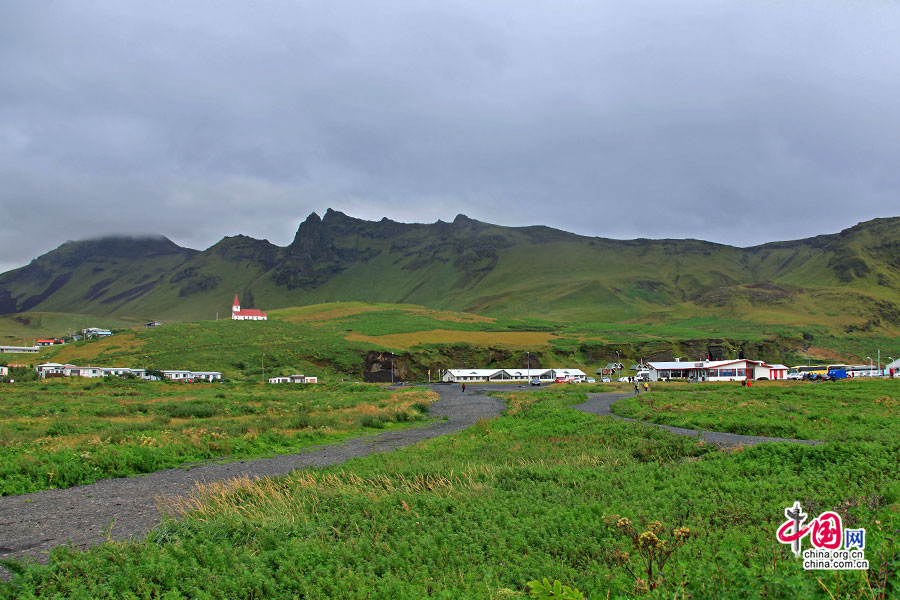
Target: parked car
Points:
(605, 380)
(591, 380)
(623, 380)
(560, 380)
(535, 381)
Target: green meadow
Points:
(846, 410)
(332, 340)
(609, 508)
(61, 433)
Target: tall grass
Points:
(63, 433)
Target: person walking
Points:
(646, 387)
(464, 388)
(636, 390)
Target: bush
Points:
(188, 410)
(60, 428)
(373, 422)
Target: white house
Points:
(91, 332)
(59, 370)
(118, 371)
(4, 371)
(294, 379)
(716, 370)
(19, 349)
(206, 375)
(52, 369)
(511, 375)
(248, 314)
(76, 371)
(183, 375)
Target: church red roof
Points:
(245, 312)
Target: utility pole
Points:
(528, 377)
(617, 364)
(392, 367)
(262, 361)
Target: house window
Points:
(727, 372)
(741, 372)
(713, 372)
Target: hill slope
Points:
(847, 280)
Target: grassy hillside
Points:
(847, 282)
(355, 340)
(29, 326)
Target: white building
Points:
(191, 376)
(716, 370)
(206, 375)
(4, 371)
(76, 371)
(19, 349)
(248, 314)
(892, 369)
(119, 371)
(58, 370)
(511, 375)
(92, 332)
(294, 379)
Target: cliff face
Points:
(478, 267)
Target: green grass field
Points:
(846, 410)
(62, 433)
(25, 328)
(541, 492)
(332, 340)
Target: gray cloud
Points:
(734, 122)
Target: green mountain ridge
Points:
(849, 279)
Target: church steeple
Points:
(236, 305)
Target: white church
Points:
(248, 314)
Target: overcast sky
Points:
(732, 121)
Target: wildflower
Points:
(648, 539)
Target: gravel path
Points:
(599, 404)
(32, 524)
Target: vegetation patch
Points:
(62, 433)
(509, 339)
(857, 410)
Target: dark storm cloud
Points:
(730, 121)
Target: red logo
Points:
(825, 531)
